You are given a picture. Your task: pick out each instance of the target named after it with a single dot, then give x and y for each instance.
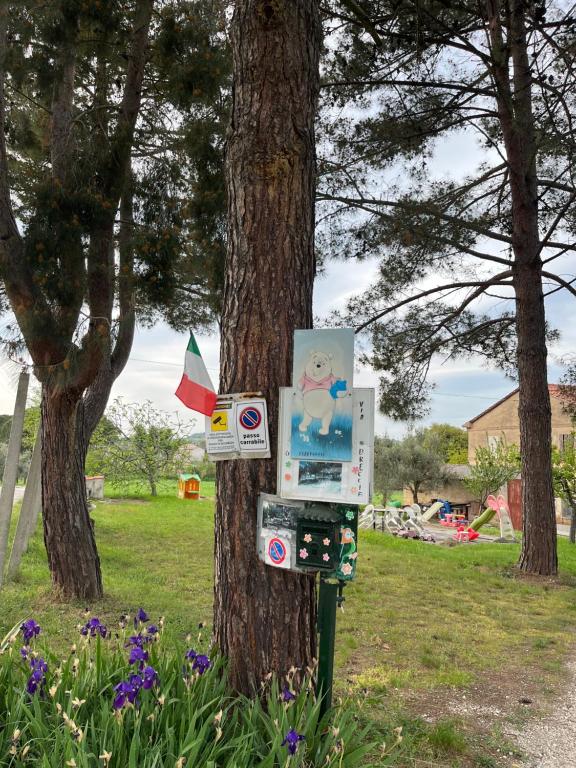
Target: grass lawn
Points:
(423, 624)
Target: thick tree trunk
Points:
(264, 618)
(68, 534)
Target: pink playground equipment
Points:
(494, 506)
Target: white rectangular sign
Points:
(337, 481)
(238, 428)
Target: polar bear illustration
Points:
(320, 388)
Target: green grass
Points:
(419, 618)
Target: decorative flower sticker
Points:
(355, 470)
(288, 464)
(350, 512)
(303, 553)
(326, 541)
(346, 569)
(308, 538)
(354, 489)
(326, 557)
(287, 477)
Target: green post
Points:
(327, 602)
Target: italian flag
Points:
(195, 389)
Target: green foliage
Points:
(185, 718)
(384, 466)
(416, 462)
(564, 472)
(206, 469)
(492, 469)
(451, 441)
(136, 442)
(5, 423)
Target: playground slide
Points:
(482, 519)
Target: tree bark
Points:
(68, 533)
(264, 618)
(515, 112)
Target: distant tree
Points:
(568, 388)
(418, 463)
(493, 468)
(385, 470)
(452, 441)
(5, 422)
(136, 442)
(564, 473)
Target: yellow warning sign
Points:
(219, 421)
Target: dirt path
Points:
(550, 741)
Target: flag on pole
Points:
(195, 389)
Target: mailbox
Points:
(308, 536)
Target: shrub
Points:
(128, 698)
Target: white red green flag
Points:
(195, 389)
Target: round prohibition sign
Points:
(250, 418)
(277, 551)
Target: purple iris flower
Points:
(150, 677)
(138, 656)
(141, 617)
(30, 630)
(38, 676)
(127, 691)
(201, 664)
(152, 629)
(291, 740)
(138, 640)
(287, 694)
(94, 627)
(24, 652)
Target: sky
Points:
(463, 389)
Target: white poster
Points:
(338, 481)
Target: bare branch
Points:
(498, 279)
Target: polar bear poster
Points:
(323, 372)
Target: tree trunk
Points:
(572, 502)
(539, 545)
(515, 112)
(264, 618)
(68, 535)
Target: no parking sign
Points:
(252, 425)
(277, 552)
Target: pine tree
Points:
(406, 76)
(99, 218)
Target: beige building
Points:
(500, 422)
